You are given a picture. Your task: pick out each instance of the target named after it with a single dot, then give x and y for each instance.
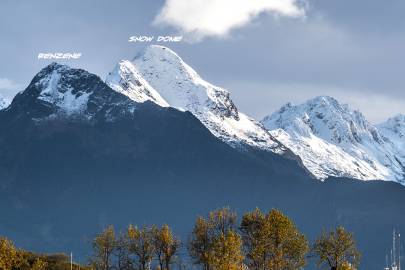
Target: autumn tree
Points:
(122, 253)
(272, 241)
(337, 250)
(166, 246)
(39, 264)
(104, 245)
(8, 254)
(141, 245)
(254, 239)
(214, 242)
(200, 243)
(227, 253)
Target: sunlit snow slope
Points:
(158, 74)
(333, 140)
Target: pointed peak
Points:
(56, 69)
(156, 51)
(325, 101)
(398, 118)
(54, 66)
(163, 59)
(395, 123)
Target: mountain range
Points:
(155, 143)
(329, 138)
(333, 140)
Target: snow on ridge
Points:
(182, 88)
(4, 103)
(125, 79)
(396, 124)
(179, 84)
(56, 92)
(333, 140)
(393, 131)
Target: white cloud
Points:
(218, 17)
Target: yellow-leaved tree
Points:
(8, 254)
(337, 250)
(215, 243)
(272, 241)
(166, 246)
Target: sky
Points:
(265, 52)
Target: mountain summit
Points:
(158, 74)
(333, 140)
(60, 91)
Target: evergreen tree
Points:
(337, 250)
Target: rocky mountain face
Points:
(59, 91)
(333, 140)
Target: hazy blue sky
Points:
(352, 50)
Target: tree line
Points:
(261, 241)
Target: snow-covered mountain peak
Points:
(61, 91)
(334, 140)
(160, 75)
(180, 85)
(396, 125)
(324, 117)
(165, 59)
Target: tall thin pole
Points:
(71, 261)
(393, 248)
(399, 251)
